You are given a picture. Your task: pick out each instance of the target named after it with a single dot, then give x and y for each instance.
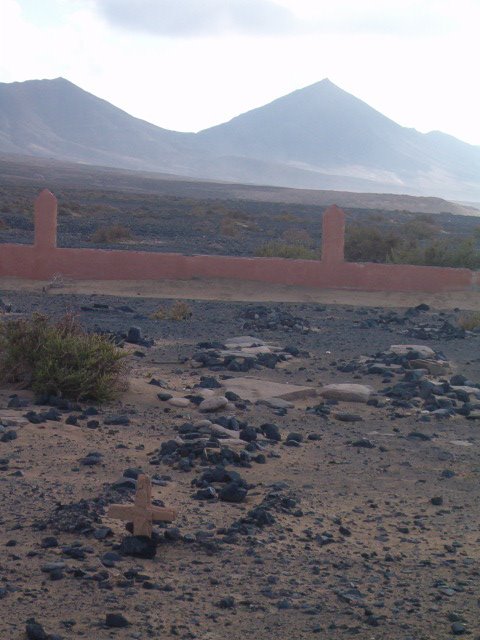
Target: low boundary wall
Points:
(43, 260)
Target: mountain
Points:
(319, 137)
(57, 119)
(324, 131)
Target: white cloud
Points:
(197, 17)
(193, 18)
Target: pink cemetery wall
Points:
(44, 259)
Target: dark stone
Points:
(91, 459)
(117, 420)
(249, 434)
(138, 547)
(233, 492)
(49, 542)
(168, 447)
(209, 493)
(172, 534)
(34, 418)
(15, 402)
(458, 629)
(35, 631)
(437, 501)
(132, 473)
(271, 431)
(268, 360)
(209, 382)
(226, 603)
(8, 436)
(125, 483)
(347, 417)
(134, 335)
(295, 436)
(164, 396)
(418, 435)
(363, 443)
(116, 621)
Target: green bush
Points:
(60, 359)
(284, 250)
(367, 244)
(440, 253)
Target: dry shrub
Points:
(284, 250)
(299, 237)
(367, 244)
(60, 359)
(111, 234)
(229, 227)
(180, 310)
(469, 320)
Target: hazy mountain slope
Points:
(58, 119)
(323, 128)
(38, 173)
(319, 137)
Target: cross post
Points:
(142, 513)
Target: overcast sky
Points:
(190, 64)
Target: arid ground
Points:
(314, 517)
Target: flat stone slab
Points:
(433, 367)
(244, 342)
(254, 389)
(212, 404)
(179, 402)
(277, 403)
(403, 349)
(11, 419)
(348, 392)
(472, 390)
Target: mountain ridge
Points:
(319, 136)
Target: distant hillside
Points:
(319, 137)
(325, 132)
(38, 173)
(57, 119)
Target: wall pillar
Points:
(45, 221)
(333, 235)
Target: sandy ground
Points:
(367, 555)
(233, 290)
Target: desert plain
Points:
(301, 513)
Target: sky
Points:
(190, 64)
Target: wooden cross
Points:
(142, 513)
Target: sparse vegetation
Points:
(61, 359)
(299, 237)
(284, 250)
(368, 244)
(179, 311)
(415, 241)
(229, 227)
(111, 234)
(439, 253)
(469, 320)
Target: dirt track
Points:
(233, 290)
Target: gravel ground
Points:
(367, 526)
